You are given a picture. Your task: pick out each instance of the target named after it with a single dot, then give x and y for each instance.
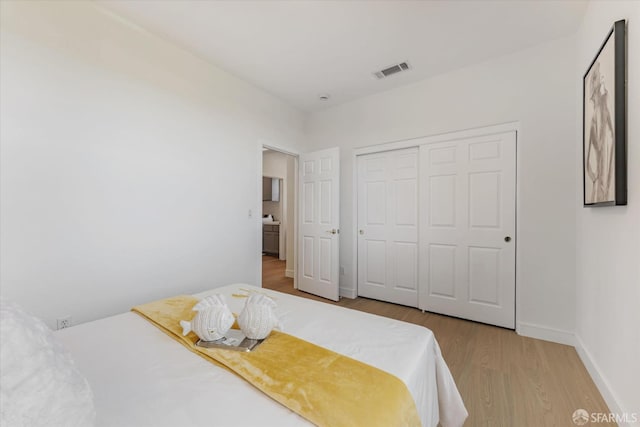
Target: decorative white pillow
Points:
(39, 383)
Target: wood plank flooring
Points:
(504, 379)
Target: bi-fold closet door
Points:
(437, 227)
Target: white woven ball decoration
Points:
(212, 321)
(258, 318)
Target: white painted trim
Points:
(442, 137)
(519, 269)
(602, 384)
(284, 224)
(354, 222)
(257, 214)
(289, 273)
(532, 330)
(275, 147)
(347, 293)
(296, 188)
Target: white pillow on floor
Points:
(39, 383)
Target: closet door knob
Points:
(507, 239)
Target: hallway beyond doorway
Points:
(273, 274)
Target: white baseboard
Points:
(569, 338)
(348, 293)
(545, 333)
(601, 382)
(289, 273)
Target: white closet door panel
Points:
(406, 255)
(388, 226)
(442, 270)
(467, 228)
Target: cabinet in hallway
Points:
(271, 239)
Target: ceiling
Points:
(298, 50)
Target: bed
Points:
(141, 377)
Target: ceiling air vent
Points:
(394, 69)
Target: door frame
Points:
(432, 139)
(296, 155)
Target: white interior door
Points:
(467, 228)
(388, 226)
(319, 224)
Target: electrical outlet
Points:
(64, 322)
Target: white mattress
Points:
(142, 377)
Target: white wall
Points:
(608, 239)
(534, 87)
(128, 165)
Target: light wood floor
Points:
(505, 380)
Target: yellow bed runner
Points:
(328, 389)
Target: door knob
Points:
(361, 232)
(507, 239)
(332, 231)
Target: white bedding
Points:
(142, 377)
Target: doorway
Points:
(279, 171)
(310, 220)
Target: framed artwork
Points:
(604, 137)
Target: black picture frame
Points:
(604, 134)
